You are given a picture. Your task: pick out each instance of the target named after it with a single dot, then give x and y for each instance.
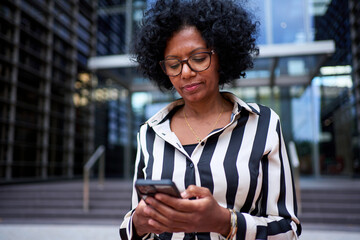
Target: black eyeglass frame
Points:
(162, 63)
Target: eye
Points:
(198, 58)
(173, 65)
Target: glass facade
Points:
(116, 122)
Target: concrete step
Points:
(338, 208)
(62, 213)
(64, 201)
(330, 201)
(330, 195)
(337, 203)
(53, 195)
(57, 203)
(330, 218)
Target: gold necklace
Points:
(192, 130)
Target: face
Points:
(192, 86)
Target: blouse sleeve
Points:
(126, 227)
(276, 218)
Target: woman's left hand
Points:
(202, 214)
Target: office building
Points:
(46, 128)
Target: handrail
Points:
(98, 154)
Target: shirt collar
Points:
(163, 114)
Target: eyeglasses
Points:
(197, 62)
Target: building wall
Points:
(354, 7)
(45, 112)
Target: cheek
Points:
(173, 81)
(215, 68)
(214, 74)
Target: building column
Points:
(90, 136)
(129, 24)
(46, 102)
(13, 95)
(69, 141)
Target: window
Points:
(62, 31)
(34, 10)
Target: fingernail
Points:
(184, 194)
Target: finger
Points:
(200, 194)
(160, 228)
(195, 191)
(166, 219)
(165, 213)
(141, 219)
(178, 204)
(150, 217)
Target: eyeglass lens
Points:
(197, 62)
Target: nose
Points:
(186, 71)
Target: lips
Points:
(191, 87)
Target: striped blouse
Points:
(244, 165)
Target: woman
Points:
(227, 157)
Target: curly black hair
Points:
(224, 25)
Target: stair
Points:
(62, 202)
(323, 201)
(331, 201)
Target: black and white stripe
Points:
(244, 165)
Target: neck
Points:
(202, 109)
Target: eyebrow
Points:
(192, 52)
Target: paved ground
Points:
(110, 232)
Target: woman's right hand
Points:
(164, 213)
(140, 220)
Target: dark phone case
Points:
(149, 187)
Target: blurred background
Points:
(67, 86)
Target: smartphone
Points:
(148, 187)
